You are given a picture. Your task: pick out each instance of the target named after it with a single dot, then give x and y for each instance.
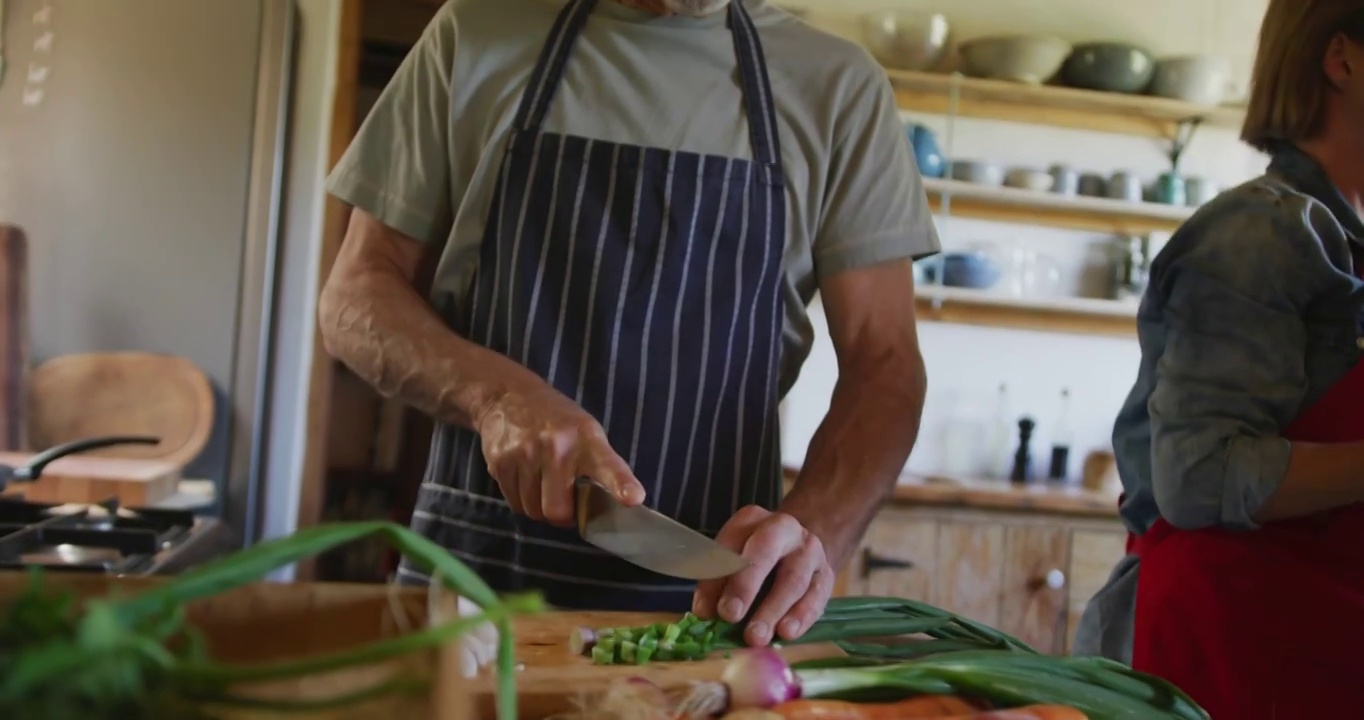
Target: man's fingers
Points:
(556, 494)
(793, 574)
(504, 473)
(733, 536)
(608, 469)
(778, 536)
(810, 607)
(529, 484)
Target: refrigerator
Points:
(142, 145)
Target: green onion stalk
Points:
(136, 657)
(1100, 688)
(845, 621)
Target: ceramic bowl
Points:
(979, 172)
(1029, 179)
(906, 40)
(977, 271)
(1197, 79)
(1109, 67)
(1031, 59)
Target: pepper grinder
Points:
(1022, 471)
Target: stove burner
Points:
(102, 539)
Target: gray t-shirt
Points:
(425, 161)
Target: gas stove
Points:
(105, 538)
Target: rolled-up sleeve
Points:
(1232, 373)
(398, 166)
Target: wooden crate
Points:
(272, 622)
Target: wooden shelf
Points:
(1141, 115)
(1028, 207)
(1082, 316)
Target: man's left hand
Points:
(773, 542)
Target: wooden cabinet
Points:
(1026, 573)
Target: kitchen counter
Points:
(999, 495)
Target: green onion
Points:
(760, 678)
(134, 657)
(845, 620)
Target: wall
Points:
(966, 364)
(131, 177)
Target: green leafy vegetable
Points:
(135, 657)
(845, 620)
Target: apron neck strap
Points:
(757, 91)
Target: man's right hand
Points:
(538, 442)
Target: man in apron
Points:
(633, 204)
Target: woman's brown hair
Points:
(1288, 87)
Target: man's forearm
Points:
(379, 326)
(858, 452)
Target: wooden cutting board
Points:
(83, 479)
(14, 322)
(553, 678)
(122, 393)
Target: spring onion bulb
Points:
(759, 678)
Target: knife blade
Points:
(650, 539)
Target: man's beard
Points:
(693, 7)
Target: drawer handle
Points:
(871, 561)
(1054, 579)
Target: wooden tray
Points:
(269, 622)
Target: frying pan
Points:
(34, 469)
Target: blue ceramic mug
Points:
(926, 151)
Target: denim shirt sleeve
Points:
(1234, 295)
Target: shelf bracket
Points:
(1184, 134)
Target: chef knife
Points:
(650, 539)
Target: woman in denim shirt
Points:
(1241, 445)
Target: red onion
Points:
(581, 640)
(759, 678)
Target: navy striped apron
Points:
(644, 283)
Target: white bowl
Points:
(979, 172)
(906, 40)
(1032, 59)
(1029, 179)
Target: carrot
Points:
(923, 706)
(1031, 712)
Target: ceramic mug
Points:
(1170, 189)
(1199, 191)
(1093, 185)
(1064, 180)
(1124, 186)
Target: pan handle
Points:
(34, 469)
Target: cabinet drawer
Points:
(1035, 595)
(898, 558)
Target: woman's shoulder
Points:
(1264, 224)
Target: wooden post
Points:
(13, 339)
(333, 231)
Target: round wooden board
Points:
(122, 393)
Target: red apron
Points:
(1269, 623)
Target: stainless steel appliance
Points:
(106, 539)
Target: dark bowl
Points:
(966, 270)
(1109, 67)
